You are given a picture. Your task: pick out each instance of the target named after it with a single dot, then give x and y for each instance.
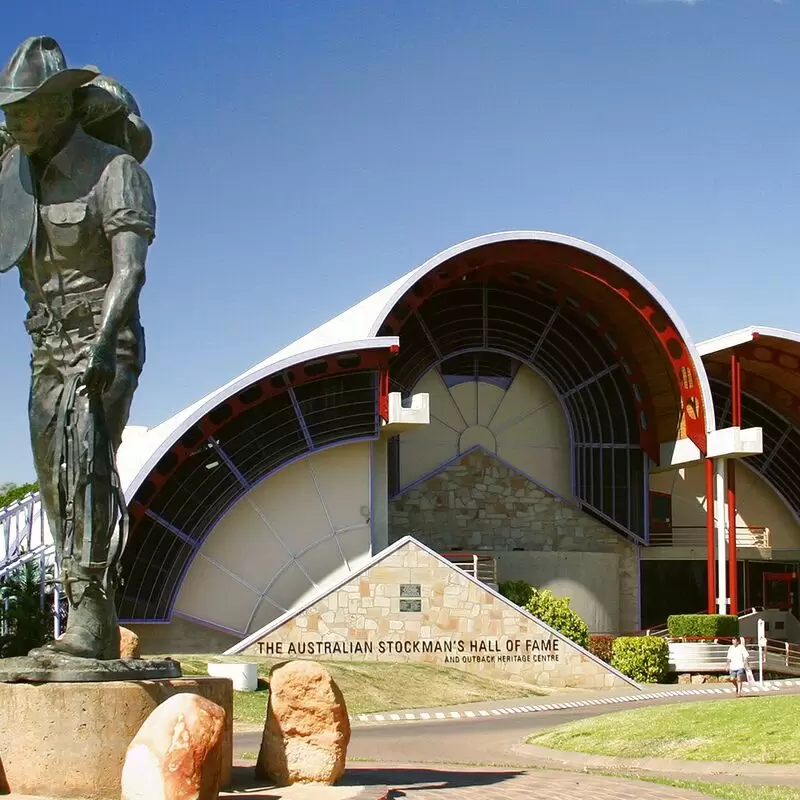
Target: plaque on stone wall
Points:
(410, 597)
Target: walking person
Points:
(737, 661)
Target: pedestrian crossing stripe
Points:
(754, 688)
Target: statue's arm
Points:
(128, 208)
(129, 253)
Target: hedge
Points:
(708, 626)
(643, 658)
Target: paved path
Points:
(414, 782)
(423, 754)
(465, 783)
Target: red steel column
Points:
(736, 419)
(712, 572)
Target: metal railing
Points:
(709, 655)
(782, 657)
(480, 566)
(695, 536)
(24, 534)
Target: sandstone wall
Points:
(480, 503)
(451, 622)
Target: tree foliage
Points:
(9, 492)
(24, 624)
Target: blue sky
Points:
(309, 152)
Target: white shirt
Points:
(737, 656)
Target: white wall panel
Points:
(242, 543)
(209, 593)
(292, 507)
(342, 475)
(524, 425)
(442, 404)
(355, 544)
(279, 539)
(489, 399)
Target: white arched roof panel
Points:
(744, 335)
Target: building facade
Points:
(524, 397)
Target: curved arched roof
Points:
(359, 326)
(770, 365)
(142, 448)
(611, 297)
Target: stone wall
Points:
(412, 606)
(480, 503)
(180, 637)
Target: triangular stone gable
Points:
(479, 501)
(410, 604)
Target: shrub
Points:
(643, 658)
(702, 625)
(602, 647)
(555, 612)
(518, 592)
(552, 610)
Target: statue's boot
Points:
(92, 627)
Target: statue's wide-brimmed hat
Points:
(38, 65)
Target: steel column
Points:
(712, 571)
(719, 522)
(736, 419)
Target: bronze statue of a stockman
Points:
(77, 215)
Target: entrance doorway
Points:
(773, 585)
(780, 590)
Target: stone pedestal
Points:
(69, 739)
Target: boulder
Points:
(177, 753)
(307, 729)
(128, 643)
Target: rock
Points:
(177, 753)
(698, 679)
(684, 678)
(307, 729)
(128, 643)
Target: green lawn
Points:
(733, 791)
(760, 730)
(369, 687)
